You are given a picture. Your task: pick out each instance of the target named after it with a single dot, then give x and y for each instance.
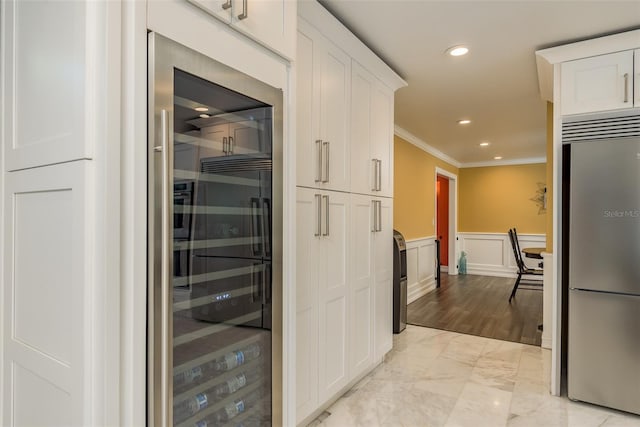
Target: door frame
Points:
(453, 216)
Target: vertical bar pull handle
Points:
(375, 215)
(379, 175)
(226, 5)
(626, 87)
(319, 163)
(231, 143)
(326, 215)
(379, 215)
(245, 10)
(165, 274)
(224, 145)
(326, 161)
(375, 174)
(318, 198)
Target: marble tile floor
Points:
(439, 378)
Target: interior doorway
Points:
(445, 218)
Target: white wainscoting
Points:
(421, 263)
(490, 254)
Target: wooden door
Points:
(442, 209)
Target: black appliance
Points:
(399, 283)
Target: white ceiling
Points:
(496, 84)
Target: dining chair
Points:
(522, 268)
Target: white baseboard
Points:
(421, 266)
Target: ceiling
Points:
(495, 85)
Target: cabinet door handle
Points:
(245, 10)
(379, 175)
(226, 5)
(326, 215)
(375, 215)
(326, 161)
(318, 198)
(379, 215)
(231, 144)
(224, 145)
(626, 87)
(375, 174)
(319, 163)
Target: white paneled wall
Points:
(491, 254)
(421, 267)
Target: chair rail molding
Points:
(421, 267)
(490, 254)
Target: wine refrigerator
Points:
(214, 248)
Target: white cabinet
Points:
(636, 76)
(371, 134)
(323, 88)
(269, 22)
(383, 274)
(322, 297)
(599, 83)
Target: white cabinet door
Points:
(245, 137)
(363, 168)
(361, 284)
(324, 80)
(217, 140)
(383, 270)
(382, 137)
(636, 78)
(599, 83)
(333, 289)
(307, 302)
(269, 22)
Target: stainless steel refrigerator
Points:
(604, 260)
(215, 227)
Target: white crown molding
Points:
(412, 139)
(507, 162)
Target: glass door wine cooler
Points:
(215, 226)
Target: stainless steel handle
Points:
(166, 382)
(255, 225)
(318, 215)
(375, 174)
(326, 161)
(326, 215)
(379, 175)
(375, 215)
(245, 10)
(224, 145)
(379, 215)
(226, 5)
(231, 145)
(266, 226)
(626, 87)
(319, 163)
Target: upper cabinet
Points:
(323, 86)
(269, 22)
(599, 83)
(371, 134)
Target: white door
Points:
(335, 83)
(599, 83)
(383, 265)
(362, 167)
(245, 137)
(333, 290)
(307, 303)
(361, 284)
(219, 134)
(382, 137)
(221, 9)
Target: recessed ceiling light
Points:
(484, 144)
(458, 50)
(201, 109)
(464, 122)
(497, 158)
(204, 116)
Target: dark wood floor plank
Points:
(479, 305)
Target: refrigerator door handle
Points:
(166, 379)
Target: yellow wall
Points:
(494, 199)
(549, 220)
(414, 189)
